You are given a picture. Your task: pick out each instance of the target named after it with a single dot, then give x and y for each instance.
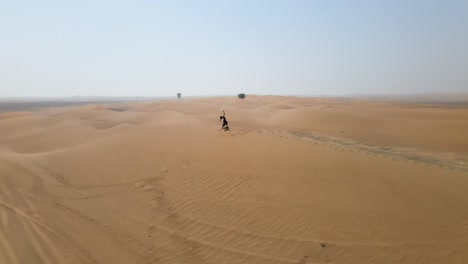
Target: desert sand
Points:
(296, 180)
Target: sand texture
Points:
(296, 180)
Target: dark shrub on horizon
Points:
(241, 96)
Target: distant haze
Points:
(220, 47)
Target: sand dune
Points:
(297, 180)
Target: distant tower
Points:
(179, 96)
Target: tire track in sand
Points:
(21, 212)
(395, 153)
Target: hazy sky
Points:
(159, 48)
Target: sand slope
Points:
(297, 180)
